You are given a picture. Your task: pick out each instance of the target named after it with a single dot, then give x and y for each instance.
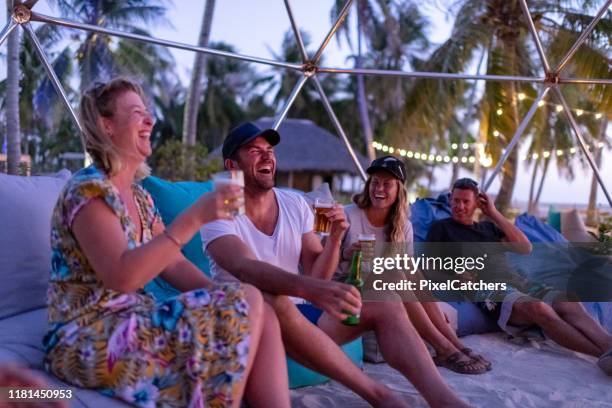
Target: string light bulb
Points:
(559, 108)
(521, 96)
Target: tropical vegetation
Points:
(428, 115)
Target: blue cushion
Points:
(549, 262)
(300, 376)
(471, 320)
(424, 211)
(537, 231)
(172, 198)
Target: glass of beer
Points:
(367, 243)
(232, 177)
(322, 225)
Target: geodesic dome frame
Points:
(310, 67)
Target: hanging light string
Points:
(474, 150)
(558, 108)
(456, 156)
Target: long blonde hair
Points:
(97, 102)
(397, 220)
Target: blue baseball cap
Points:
(243, 134)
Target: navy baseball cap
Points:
(243, 134)
(391, 164)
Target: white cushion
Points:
(573, 228)
(26, 204)
(21, 344)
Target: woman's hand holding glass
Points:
(221, 204)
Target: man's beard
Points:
(262, 185)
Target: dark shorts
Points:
(311, 312)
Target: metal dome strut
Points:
(22, 15)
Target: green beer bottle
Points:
(354, 279)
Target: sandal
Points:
(453, 363)
(605, 362)
(470, 353)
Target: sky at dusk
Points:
(255, 27)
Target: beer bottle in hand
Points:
(354, 279)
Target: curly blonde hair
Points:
(395, 229)
(97, 102)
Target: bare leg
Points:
(255, 301)
(428, 330)
(439, 320)
(434, 312)
(575, 314)
(401, 346)
(309, 346)
(529, 312)
(268, 385)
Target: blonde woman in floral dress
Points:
(206, 347)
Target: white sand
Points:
(527, 375)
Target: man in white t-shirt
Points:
(274, 248)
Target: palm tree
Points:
(230, 87)
(100, 57)
(592, 206)
(589, 61)
(277, 84)
(12, 98)
(198, 72)
(499, 28)
(391, 30)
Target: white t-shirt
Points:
(282, 249)
(361, 225)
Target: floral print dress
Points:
(190, 350)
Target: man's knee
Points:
(284, 308)
(378, 312)
(568, 309)
(535, 311)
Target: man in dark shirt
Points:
(523, 304)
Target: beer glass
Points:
(322, 225)
(232, 177)
(367, 243)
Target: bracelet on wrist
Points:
(173, 239)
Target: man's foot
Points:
(605, 362)
(475, 356)
(460, 363)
